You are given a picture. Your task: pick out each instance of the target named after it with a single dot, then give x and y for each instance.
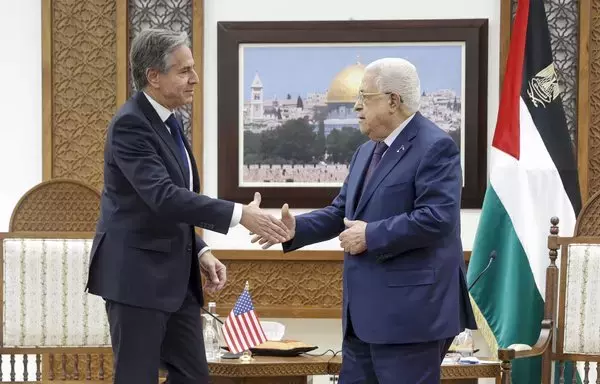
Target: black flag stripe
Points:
(547, 111)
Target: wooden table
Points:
(268, 370)
(296, 370)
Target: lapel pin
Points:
(401, 149)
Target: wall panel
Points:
(86, 76)
(79, 60)
(593, 61)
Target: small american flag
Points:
(242, 330)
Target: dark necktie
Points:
(380, 148)
(176, 130)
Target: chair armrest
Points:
(519, 351)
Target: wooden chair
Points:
(571, 325)
(52, 331)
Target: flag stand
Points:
(246, 356)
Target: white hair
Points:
(398, 76)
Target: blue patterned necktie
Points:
(380, 149)
(176, 130)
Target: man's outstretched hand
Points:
(258, 222)
(290, 223)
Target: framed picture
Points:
(286, 94)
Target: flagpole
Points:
(246, 356)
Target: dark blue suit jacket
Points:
(409, 286)
(145, 249)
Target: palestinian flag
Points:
(533, 177)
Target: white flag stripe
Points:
(239, 332)
(530, 178)
(228, 340)
(259, 328)
(231, 342)
(227, 334)
(238, 339)
(244, 328)
(250, 326)
(231, 334)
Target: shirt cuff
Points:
(237, 215)
(203, 250)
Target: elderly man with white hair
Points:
(398, 220)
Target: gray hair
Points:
(398, 76)
(151, 48)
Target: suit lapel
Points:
(159, 126)
(355, 183)
(392, 156)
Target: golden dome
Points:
(344, 86)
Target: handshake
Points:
(267, 229)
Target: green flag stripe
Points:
(506, 295)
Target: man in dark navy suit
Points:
(146, 259)
(398, 220)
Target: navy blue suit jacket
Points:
(409, 285)
(145, 248)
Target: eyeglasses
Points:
(361, 95)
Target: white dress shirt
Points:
(392, 136)
(164, 114)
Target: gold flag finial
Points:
(247, 286)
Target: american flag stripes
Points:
(242, 329)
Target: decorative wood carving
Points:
(171, 14)
(57, 206)
(79, 366)
(594, 99)
(480, 370)
(327, 365)
(285, 288)
(588, 222)
(272, 366)
(85, 76)
(302, 284)
(81, 71)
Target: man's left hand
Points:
(354, 238)
(214, 272)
